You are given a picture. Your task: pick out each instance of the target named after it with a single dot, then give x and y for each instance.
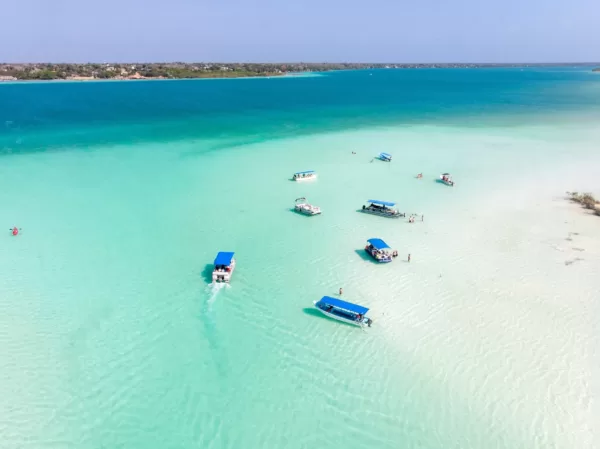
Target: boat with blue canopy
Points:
(304, 175)
(380, 251)
(346, 312)
(385, 157)
(382, 208)
(224, 266)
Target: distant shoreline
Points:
(188, 71)
(76, 79)
(118, 80)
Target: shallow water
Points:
(112, 336)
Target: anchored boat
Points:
(302, 206)
(380, 251)
(382, 208)
(224, 266)
(446, 178)
(305, 175)
(385, 157)
(346, 312)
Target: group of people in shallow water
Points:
(412, 217)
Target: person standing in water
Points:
(341, 291)
(409, 258)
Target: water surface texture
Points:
(111, 335)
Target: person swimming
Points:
(15, 231)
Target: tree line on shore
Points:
(180, 70)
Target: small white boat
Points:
(385, 157)
(302, 206)
(446, 178)
(343, 311)
(308, 175)
(224, 266)
(382, 208)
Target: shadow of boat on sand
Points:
(364, 256)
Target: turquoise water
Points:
(112, 336)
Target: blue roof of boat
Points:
(378, 243)
(383, 203)
(304, 172)
(344, 305)
(385, 154)
(223, 258)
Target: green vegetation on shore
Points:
(180, 70)
(587, 200)
(130, 71)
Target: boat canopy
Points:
(388, 155)
(382, 203)
(378, 244)
(445, 174)
(348, 306)
(304, 172)
(224, 258)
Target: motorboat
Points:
(224, 266)
(446, 178)
(346, 312)
(302, 206)
(382, 208)
(380, 251)
(307, 175)
(385, 157)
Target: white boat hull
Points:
(448, 182)
(382, 214)
(305, 178)
(222, 275)
(307, 209)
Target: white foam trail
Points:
(214, 290)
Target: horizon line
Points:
(309, 63)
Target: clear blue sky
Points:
(300, 30)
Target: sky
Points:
(418, 31)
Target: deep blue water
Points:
(40, 116)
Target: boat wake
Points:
(213, 290)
